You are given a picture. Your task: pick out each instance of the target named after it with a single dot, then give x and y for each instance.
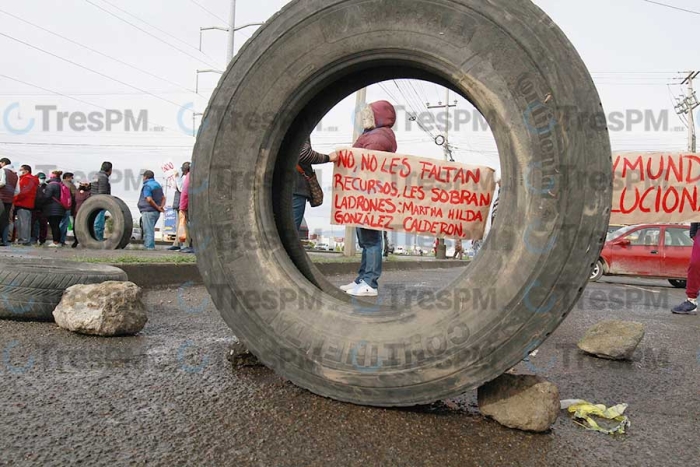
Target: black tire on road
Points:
(30, 289)
(678, 283)
(597, 271)
(518, 68)
(122, 223)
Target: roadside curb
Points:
(159, 275)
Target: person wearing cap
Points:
(151, 204)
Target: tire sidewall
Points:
(546, 244)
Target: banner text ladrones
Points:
(385, 191)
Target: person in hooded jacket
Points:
(377, 119)
(53, 209)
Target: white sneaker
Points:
(363, 290)
(53, 245)
(348, 287)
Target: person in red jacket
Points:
(24, 204)
(377, 119)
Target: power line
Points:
(153, 35)
(97, 52)
(90, 145)
(673, 7)
(210, 13)
(91, 70)
(147, 23)
(68, 96)
(420, 125)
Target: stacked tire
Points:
(122, 223)
(31, 288)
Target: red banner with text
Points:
(385, 191)
(655, 188)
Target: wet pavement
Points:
(170, 397)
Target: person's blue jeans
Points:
(100, 226)
(371, 266)
(149, 228)
(299, 206)
(64, 227)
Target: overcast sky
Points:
(145, 54)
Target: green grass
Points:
(129, 259)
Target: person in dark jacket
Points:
(53, 209)
(690, 305)
(65, 222)
(377, 119)
(82, 194)
(40, 224)
(8, 189)
(302, 190)
(100, 186)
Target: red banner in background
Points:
(655, 188)
(385, 191)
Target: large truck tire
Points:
(31, 288)
(521, 72)
(122, 223)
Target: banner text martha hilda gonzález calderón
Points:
(385, 191)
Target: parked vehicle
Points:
(612, 228)
(136, 233)
(647, 250)
(399, 250)
(323, 247)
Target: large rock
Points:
(615, 340)
(524, 402)
(107, 309)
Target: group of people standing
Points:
(34, 204)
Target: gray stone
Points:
(241, 357)
(614, 340)
(523, 402)
(108, 309)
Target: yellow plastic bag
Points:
(585, 411)
(182, 227)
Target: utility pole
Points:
(441, 250)
(360, 103)
(231, 32)
(686, 106)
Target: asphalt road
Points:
(170, 397)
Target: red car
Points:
(647, 250)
